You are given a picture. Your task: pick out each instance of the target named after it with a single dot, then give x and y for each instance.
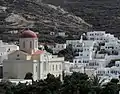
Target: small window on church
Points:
(53, 67)
(30, 44)
(17, 58)
(24, 44)
(17, 55)
(36, 68)
(56, 67)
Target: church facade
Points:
(30, 59)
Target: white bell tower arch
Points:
(28, 42)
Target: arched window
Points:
(24, 44)
(30, 44)
(56, 67)
(53, 67)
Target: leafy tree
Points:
(53, 83)
(59, 39)
(29, 76)
(114, 81)
(96, 83)
(110, 88)
(67, 53)
(77, 83)
(48, 49)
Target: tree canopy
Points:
(77, 83)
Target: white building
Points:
(111, 72)
(85, 52)
(5, 49)
(88, 71)
(30, 59)
(96, 53)
(66, 68)
(117, 63)
(16, 81)
(96, 35)
(58, 47)
(112, 47)
(62, 34)
(100, 36)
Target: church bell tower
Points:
(28, 42)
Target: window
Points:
(8, 50)
(56, 67)
(30, 44)
(17, 58)
(80, 54)
(36, 68)
(79, 61)
(87, 61)
(17, 55)
(98, 72)
(75, 61)
(53, 67)
(24, 44)
(97, 64)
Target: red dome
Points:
(28, 34)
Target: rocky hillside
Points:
(20, 14)
(102, 14)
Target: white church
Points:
(30, 59)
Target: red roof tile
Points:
(38, 52)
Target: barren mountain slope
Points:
(102, 14)
(38, 16)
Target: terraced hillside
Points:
(102, 14)
(40, 17)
